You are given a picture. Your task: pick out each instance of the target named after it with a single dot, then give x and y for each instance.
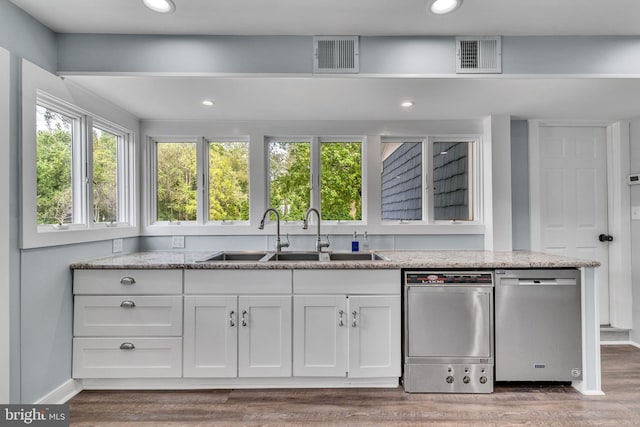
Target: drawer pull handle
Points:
(244, 318)
(354, 322)
(341, 318)
(127, 280)
(127, 346)
(127, 304)
(232, 322)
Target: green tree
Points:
(176, 181)
(228, 181)
(105, 174)
(290, 178)
(341, 180)
(53, 168)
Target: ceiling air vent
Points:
(478, 55)
(335, 54)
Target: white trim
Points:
(61, 394)
(36, 81)
(618, 205)
(614, 343)
(5, 192)
(591, 383)
(239, 383)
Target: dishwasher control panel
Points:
(448, 278)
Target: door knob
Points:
(605, 238)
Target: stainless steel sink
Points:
(299, 256)
(235, 256)
(356, 256)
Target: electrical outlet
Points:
(177, 242)
(117, 245)
(635, 212)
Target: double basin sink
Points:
(263, 256)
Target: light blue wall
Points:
(46, 312)
(24, 37)
(378, 55)
(520, 184)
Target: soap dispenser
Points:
(365, 243)
(355, 244)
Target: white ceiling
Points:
(356, 98)
(340, 17)
(306, 98)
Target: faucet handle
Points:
(325, 244)
(285, 245)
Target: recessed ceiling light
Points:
(441, 7)
(162, 6)
(407, 104)
(208, 103)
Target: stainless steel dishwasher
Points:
(538, 325)
(448, 331)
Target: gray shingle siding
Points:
(451, 181)
(402, 183)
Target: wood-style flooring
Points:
(521, 405)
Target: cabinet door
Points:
(264, 347)
(374, 336)
(320, 335)
(210, 336)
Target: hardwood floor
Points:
(507, 406)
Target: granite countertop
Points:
(395, 259)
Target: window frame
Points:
(475, 194)
(316, 173)
(83, 229)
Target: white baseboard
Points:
(634, 344)
(62, 394)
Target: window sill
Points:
(74, 235)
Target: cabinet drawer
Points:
(237, 282)
(130, 315)
(347, 282)
(127, 357)
(127, 282)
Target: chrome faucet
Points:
(305, 224)
(279, 244)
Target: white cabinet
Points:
(355, 335)
(244, 334)
(127, 324)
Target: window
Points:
(334, 164)
(74, 189)
(185, 191)
(447, 175)
(58, 185)
(176, 181)
(290, 177)
(228, 181)
(341, 180)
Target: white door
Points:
(210, 336)
(374, 336)
(573, 198)
(264, 336)
(320, 335)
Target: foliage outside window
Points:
(228, 181)
(290, 178)
(341, 180)
(105, 176)
(176, 181)
(55, 134)
(80, 182)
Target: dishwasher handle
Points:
(538, 282)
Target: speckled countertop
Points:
(395, 259)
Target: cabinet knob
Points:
(127, 304)
(127, 280)
(127, 346)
